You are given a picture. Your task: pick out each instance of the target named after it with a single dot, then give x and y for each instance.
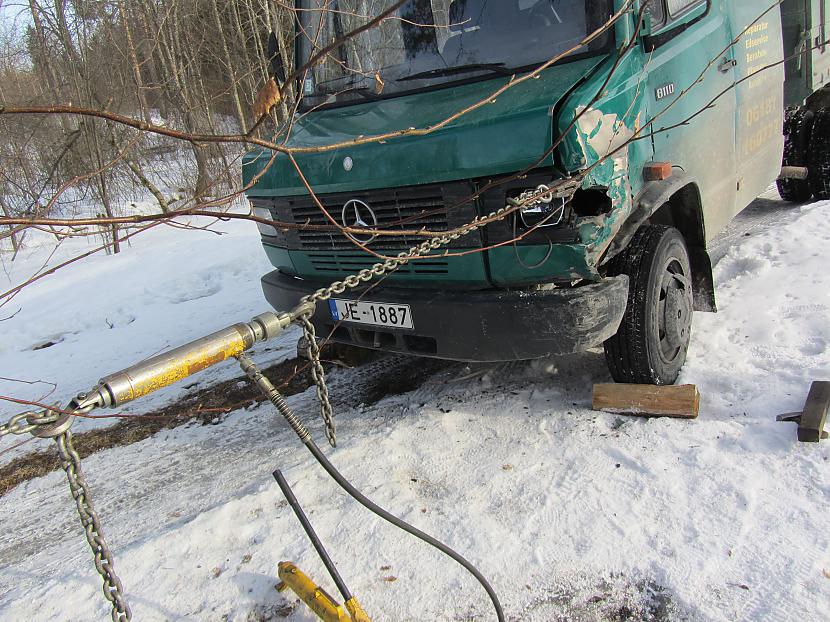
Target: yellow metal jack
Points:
(311, 594)
(317, 599)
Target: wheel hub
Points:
(677, 316)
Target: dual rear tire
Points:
(818, 156)
(807, 143)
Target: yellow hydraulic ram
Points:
(169, 367)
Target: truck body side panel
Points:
(805, 47)
(820, 53)
(760, 96)
(794, 24)
(705, 147)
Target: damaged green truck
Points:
(671, 124)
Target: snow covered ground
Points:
(571, 514)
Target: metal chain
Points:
(54, 423)
(319, 376)
(27, 422)
(393, 263)
(113, 590)
(364, 276)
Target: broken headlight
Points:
(540, 208)
(546, 218)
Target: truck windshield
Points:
(429, 42)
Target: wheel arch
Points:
(818, 100)
(675, 202)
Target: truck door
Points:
(760, 95)
(687, 36)
(820, 61)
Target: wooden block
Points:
(647, 400)
(814, 416)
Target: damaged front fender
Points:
(603, 144)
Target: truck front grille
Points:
(436, 207)
(351, 262)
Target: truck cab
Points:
(630, 133)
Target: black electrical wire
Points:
(401, 524)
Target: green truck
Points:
(669, 120)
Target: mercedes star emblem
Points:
(358, 215)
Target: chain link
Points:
(27, 422)
(319, 376)
(365, 276)
(113, 590)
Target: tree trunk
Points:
(234, 90)
(12, 231)
(202, 173)
(139, 82)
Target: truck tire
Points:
(798, 126)
(651, 343)
(819, 155)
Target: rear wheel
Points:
(798, 125)
(819, 155)
(651, 343)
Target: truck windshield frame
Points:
(431, 44)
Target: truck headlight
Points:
(261, 211)
(542, 208)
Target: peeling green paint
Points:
(598, 143)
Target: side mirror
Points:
(275, 58)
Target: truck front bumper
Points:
(483, 326)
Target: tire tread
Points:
(627, 351)
(819, 155)
(798, 126)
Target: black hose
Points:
(401, 524)
(345, 592)
(274, 396)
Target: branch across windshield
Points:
(429, 42)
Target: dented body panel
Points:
(702, 90)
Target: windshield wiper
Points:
(365, 92)
(498, 68)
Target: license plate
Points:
(371, 313)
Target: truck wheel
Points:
(798, 125)
(650, 345)
(819, 155)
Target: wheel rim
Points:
(674, 312)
